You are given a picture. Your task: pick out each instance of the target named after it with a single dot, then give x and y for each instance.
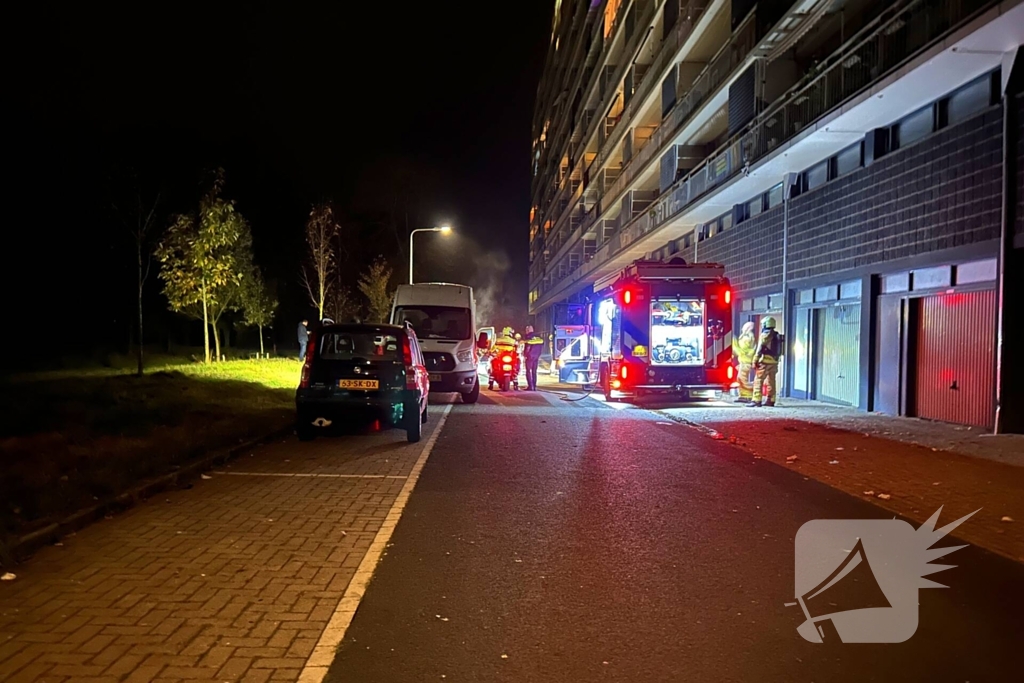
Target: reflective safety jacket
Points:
(534, 344)
(504, 345)
(769, 348)
(743, 348)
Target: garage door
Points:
(837, 354)
(955, 360)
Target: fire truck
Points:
(570, 347)
(662, 328)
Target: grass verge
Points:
(72, 438)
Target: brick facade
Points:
(751, 251)
(940, 193)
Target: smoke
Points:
(490, 289)
(498, 286)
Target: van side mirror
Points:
(482, 341)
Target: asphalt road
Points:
(556, 541)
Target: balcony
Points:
(606, 77)
(889, 41)
(716, 75)
(684, 26)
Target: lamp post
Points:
(444, 229)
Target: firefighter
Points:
(534, 346)
(743, 350)
(766, 364)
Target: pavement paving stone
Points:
(911, 467)
(231, 579)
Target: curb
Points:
(23, 547)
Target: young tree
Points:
(136, 209)
(375, 284)
(199, 254)
(232, 295)
(259, 303)
(321, 260)
(340, 305)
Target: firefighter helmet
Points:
(506, 332)
(769, 323)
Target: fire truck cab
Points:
(662, 328)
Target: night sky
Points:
(299, 102)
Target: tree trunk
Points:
(206, 327)
(262, 353)
(139, 371)
(216, 339)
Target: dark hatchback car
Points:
(360, 373)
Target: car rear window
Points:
(360, 346)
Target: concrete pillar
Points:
(1009, 359)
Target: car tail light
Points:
(410, 370)
(616, 384)
(307, 363)
(624, 372)
(728, 296)
(729, 372)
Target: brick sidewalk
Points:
(232, 580)
(913, 464)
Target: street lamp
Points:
(444, 230)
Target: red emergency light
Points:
(506, 359)
(728, 296)
(627, 296)
(729, 372)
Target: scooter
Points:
(504, 370)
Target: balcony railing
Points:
(598, 53)
(891, 39)
(667, 52)
(714, 76)
(603, 104)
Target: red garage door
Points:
(955, 368)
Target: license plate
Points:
(358, 384)
(434, 377)
(506, 367)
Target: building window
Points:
(755, 206)
(915, 127)
(850, 159)
(816, 175)
(724, 221)
(968, 100)
(774, 196)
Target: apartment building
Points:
(856, 165)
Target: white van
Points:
(444, 317)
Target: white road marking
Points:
(314, 474)
(323, 654)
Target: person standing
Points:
(743, 348)
(534, 344)
(303, 338)
(766, 364)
